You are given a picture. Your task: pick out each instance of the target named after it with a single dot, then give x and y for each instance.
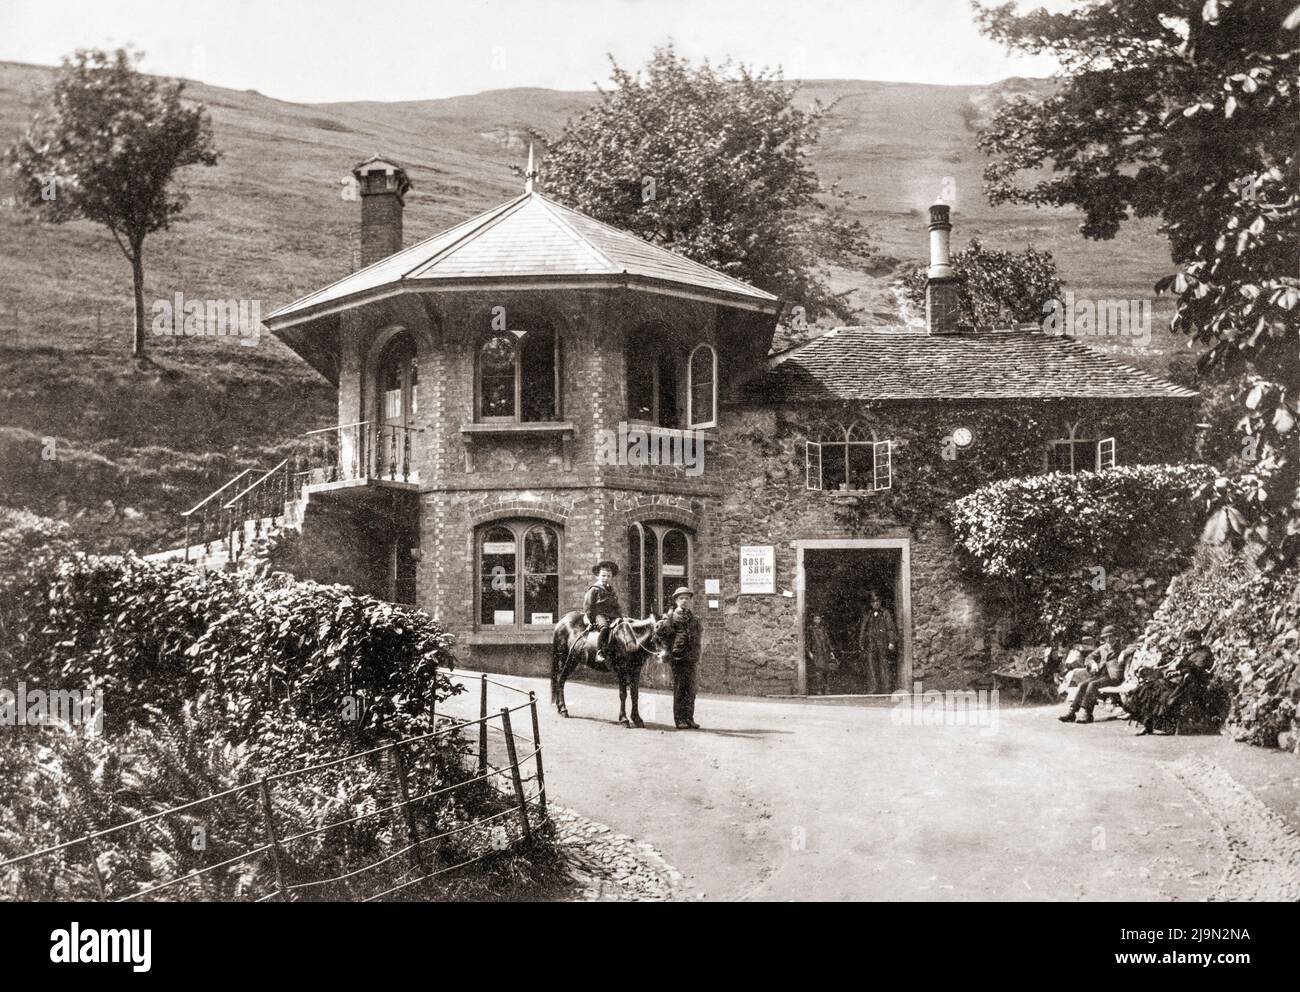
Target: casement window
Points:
(518, 574)
(658, 561)
(850, 465)
(1072, 455)
(702, 388)
(654, 372)
(518, 376)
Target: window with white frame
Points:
(1072, 455)
(702, 388)
(849, 463)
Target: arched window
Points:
(702, 387)
(654, 370)
(659, 560)
(518, 574)
(519, 375)
(849, 461)
(389, 452)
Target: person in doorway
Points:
(877, 639)
(680, 632)
(1105, 668)
(821, 657)
(600, 607)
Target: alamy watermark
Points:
(634, 445)
(179, 317)
(1083, 317)
(52, 708)
(947, 708)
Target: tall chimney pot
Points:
(383, 185)
(942, 291)
(940, 229)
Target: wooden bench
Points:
(1027, 681)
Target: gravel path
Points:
(1264, 851)
(792, 799)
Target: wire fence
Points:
(419, 808)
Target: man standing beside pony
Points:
(681, 634)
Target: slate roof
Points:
(529, 237)
(884, 363)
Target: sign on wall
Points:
(757, 568)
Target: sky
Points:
(334, 50)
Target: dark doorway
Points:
(837, 587)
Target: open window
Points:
(655, 369)
(849, 463)
(1072, 455)
(702, 388)
(518, 375)
(518, 574)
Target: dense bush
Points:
(1251, 620)
(1016, 527)
(1067, 552)
(269, 652)
(212, 681)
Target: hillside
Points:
(270, 223)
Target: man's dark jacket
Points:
(681, 633)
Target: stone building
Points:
(533, 390)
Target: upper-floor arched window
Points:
(518, 374)
(702, 387)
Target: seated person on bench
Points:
(1106, 666)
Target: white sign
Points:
(674, 571)
(712, 587)
(757, 568)
(547, 618)
(503, 616)
(498, 547)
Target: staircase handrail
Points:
(213, 495)
(230, 505)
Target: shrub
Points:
(154, 635)
(1044, 541)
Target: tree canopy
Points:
(1186, 111)
(108, 149)
(998, 288)
(712, 163)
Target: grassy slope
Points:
(269, 223)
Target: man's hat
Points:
(1110, 628)
(613, 569)
(682, 591)
(1087, 639)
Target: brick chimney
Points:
(382, 184)
(942, 302)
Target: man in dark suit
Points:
(680, 632)
(1106, 668)
(600, 607)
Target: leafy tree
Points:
(712, 163)
(108, 150)
(1188, 112)
(997, 288)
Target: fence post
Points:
(94, 863)
(404, 792)
(273, 840)
(537, 746)
(482, 728)
(514, 773)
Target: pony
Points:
(630, 643)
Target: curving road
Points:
(798, 799)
